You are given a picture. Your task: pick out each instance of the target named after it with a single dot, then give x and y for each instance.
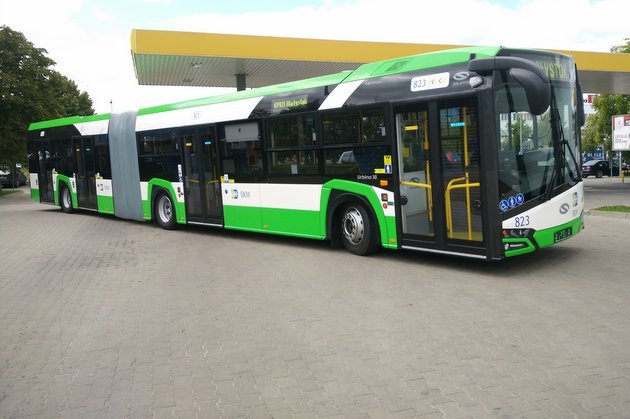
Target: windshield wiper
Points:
(560, 160)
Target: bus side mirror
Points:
(538, 93)
(533, 79)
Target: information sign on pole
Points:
(621, 132)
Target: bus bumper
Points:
(514, 246)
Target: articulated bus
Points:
(472, 152)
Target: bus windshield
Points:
(536, 153)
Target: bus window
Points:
(291, 143)
(242, 160)
(158, 155)
(101, 146)
(355, 143)
(63, 157)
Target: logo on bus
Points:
(564, 208)
(462, 75)
(234, 193)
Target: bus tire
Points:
(356, 229)
(65, 199)
(164, 211)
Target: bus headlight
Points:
(517, 233)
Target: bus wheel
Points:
(66, 200)
(165, 211)
(356, 230)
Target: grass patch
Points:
(614, 208)
(8, 191)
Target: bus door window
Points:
(90, 174)
(460, 165)
(85, 173)
(212, 188)
(101, 160)
(48, 171)
(44, 171)
(192, 175)
(31, 147)
(415, 173)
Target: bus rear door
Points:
(44, 171)
(85, 176)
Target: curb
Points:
(609, 214)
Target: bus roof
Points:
(366, 71)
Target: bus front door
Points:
(201, 177)
(438, 155)
(461, 185)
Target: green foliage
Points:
(622, 49)
(30, 90)
(598, 128)
(614, 208)
(521, 130)
(4, 192)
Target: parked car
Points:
(598, 168)
(10, 179)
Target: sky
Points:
(90, 39)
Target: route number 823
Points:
(521, 221)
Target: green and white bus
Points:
(472, 152)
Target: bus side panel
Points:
(176, 192)
(34, 185)
(104, 196)
(285, 209)
(146, 201)
(292, 209)
(241, 206)
(382, 203)
(292, 222)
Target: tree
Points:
(598, 129)
(521, 131)
(30, 90)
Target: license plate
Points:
(564, 234)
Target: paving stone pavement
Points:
(102, 317)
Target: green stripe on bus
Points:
(242, 218)
(35, 195)
(297, 223)
(67, 121)
(527, 249)
(546, 238)
(292, 222)
(105, 204)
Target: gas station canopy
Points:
(168, 58)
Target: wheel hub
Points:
(353, 226)
(165, 209)
(66, 198)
